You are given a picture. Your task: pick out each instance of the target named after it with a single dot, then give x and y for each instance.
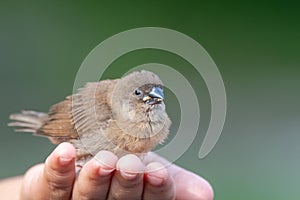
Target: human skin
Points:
(106, 177)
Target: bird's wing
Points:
(81, 112)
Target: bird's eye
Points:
(137, 92)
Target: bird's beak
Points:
(155, 96)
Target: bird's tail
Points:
(28, 121)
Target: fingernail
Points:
(65, 154)
(104, 171)
(64, 160)
(154, 180)
(128, 175)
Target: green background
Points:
(254, 44)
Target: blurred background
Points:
(255, 46)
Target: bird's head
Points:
(138, 104)
(148, 95)
(137, 94)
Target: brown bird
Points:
(125, 115)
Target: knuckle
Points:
(133, 192)
(58, 191)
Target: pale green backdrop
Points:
(254, 44)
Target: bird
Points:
(125, 116)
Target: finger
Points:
(193, 186)
(158, 184)
(94, 178)
(54, 179)
(127, 182)
(188, 185)
(59, 171)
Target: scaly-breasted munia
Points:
(125, 115)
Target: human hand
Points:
(108, 177)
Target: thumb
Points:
(54, 179)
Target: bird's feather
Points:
(103, 115)
(78, 112)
